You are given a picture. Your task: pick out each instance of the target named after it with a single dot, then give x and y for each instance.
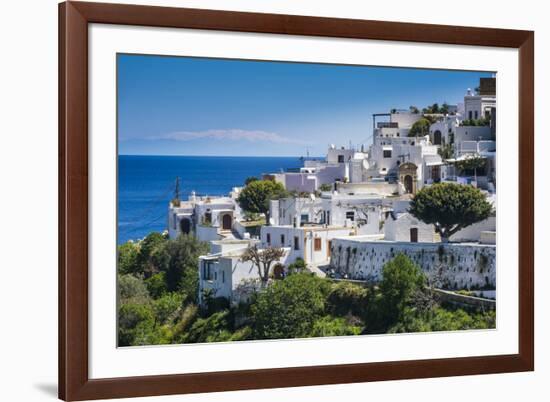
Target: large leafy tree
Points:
(289, 308)
(147, 260)
(420, 128)
(255, 197)
(450, 207)
(181, 257)
(402, 279)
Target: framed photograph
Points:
(260, 200)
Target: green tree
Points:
(446, 151)
(440, 319)
(471, 165)
(401, 280)
(147, 262)
(136, 323)
(249, 180)
(215, 328)
(431, 109)
(325, 187)
(156, 285)
(127, 258)
(450, 207)
(420, 128)
(256, 195)
(181, 270)
(289, 308)
(132, 288)
(167, 307)
(299, 265)
(347, 298)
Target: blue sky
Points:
(196, 106)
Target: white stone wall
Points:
(405, 119)
(334, 153)
(471, 133)
(206, 233)
(450, 265)
(473, 232)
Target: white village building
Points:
(223, 274)
(208, 218)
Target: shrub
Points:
(333, 326)
(347, 298)
(289, 308)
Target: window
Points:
(350, 215)
(317, 244)
(328, 218)
(223, 276)
(329, 247)
(387, 153)
(282, 240)
(414, 235)
(304, 218)
(268, 239)
(470, 115)
(476, 114)
(175, 221)
(296, 243)
(340, 158)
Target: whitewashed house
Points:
(403, 227)
(208, 218)
(295, 210)
(311, 243)
(223, 274)
(315, 173)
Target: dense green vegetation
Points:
(158, 294)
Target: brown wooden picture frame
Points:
(74, 382)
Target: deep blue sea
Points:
(146, 184)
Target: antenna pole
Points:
(177, 189)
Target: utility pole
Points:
(177, 189)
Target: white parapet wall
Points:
(449, 265)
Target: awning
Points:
(433, 160)
(466, 157)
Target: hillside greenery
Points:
(158, 301)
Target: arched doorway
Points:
(278, 271)
(407, 176)
(408, 183)
(437, 137)
(227, 222)
(185, 226)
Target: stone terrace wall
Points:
(450, 265)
